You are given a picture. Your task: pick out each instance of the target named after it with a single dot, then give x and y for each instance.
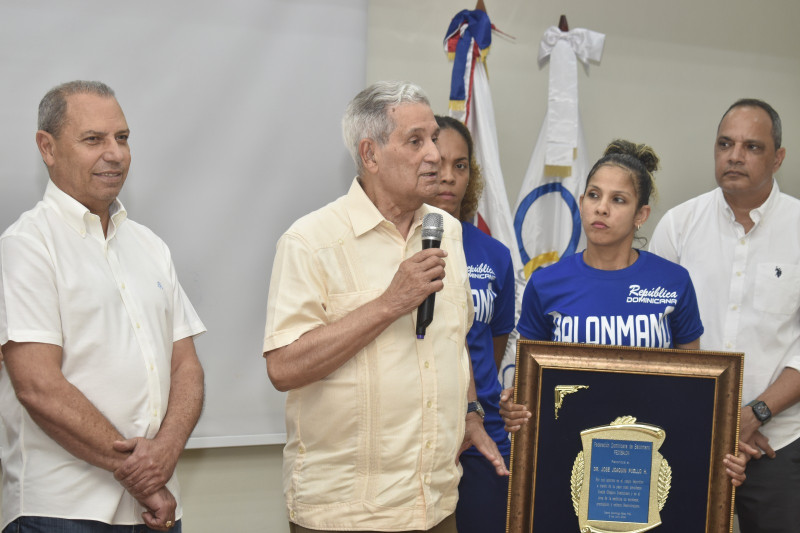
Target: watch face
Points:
(761, 411)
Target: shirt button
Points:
(739, 274)
(741, 241)
(427, 480)
(427, 364)
(728, 345)
(138, 326)
(301, 449)
(341, 241)
(123, 286)
(291, 515)
(428, 445)
(430, 403)
(734, 307)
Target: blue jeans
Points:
(44, 524)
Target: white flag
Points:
(547, 220)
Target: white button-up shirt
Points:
(748, 287)
(115, 307)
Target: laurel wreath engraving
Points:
(576, 482)
(664, 482)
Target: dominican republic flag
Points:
(467, 43)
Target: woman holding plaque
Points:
(612, 293)
(482, 494)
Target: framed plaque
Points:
(623, 439)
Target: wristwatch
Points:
(760, 409)
(476, 407)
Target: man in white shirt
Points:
(741, 245)
(101, 385)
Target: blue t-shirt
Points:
(491, 276)
(651, 303)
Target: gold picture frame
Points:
(694, 397)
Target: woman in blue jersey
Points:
(612, 293)
(482, 494)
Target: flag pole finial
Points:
(562, 22)
(480, 6)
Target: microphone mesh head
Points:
(433, 226)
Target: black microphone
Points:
(432, 229)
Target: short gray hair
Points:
(53, 107)
(366, 116)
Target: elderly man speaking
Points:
(375, 417)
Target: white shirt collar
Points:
(78, 216)
(756, 214)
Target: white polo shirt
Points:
(748, 287)
(115, 307)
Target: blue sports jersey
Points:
(491, 276)
(651, 303)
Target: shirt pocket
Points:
(455, 306)
(342, 304)
(777, 288)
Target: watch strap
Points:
(475, 407)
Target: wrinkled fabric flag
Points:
(547, 222)
(467, 43)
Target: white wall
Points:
(669, 71)
(233, 490)
(217, 97)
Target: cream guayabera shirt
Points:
(372, 445)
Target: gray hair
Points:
(773, 115)
(53, 107)
(366, 115)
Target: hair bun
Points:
(645, 154)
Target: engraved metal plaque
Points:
(619, 481)
(575, 391)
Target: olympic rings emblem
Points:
(526, 204)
